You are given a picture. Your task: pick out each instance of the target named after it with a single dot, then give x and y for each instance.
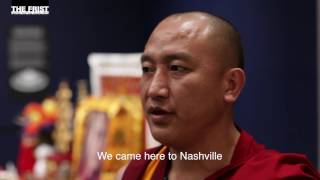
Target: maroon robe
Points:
(250, 161)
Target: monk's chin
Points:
(163, 135)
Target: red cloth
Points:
(250, 161)
(26, 159)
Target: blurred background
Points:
(278, 105)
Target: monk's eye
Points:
(147, 69)
(177, 68)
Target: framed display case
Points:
(111, 120)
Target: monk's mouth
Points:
(158, 111)
(159, 115)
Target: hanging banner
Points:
(28, 60)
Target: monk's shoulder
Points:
(271, 164)
(136, 168)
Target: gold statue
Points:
(62, 133)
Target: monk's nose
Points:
(158, 88)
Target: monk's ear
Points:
(234, 80)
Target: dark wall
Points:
(278, 105)
(75, 29)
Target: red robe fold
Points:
(250, 161)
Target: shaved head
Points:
(192, 76)
(220, 34)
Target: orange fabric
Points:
(153, 165)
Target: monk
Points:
(193, 73)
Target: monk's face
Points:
(182, 92)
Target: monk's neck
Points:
(218, 141)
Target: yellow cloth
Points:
(153, 165)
